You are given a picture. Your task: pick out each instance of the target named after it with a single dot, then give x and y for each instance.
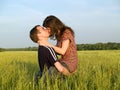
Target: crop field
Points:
(97, 70)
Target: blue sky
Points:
(93, 21)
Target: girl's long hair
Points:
(56, 26)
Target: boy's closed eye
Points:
(38, 32)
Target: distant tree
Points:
(99, 46)
(1, 49)
(96, 46)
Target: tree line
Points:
(97, 46)
(20, 49)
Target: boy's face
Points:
(42, 33)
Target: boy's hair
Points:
(33, 34)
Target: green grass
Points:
(97, 70)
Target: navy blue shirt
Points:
(46, 57)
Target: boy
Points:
(46, 55)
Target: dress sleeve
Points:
(67, 35)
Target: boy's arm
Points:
(61, 68)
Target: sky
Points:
(93, 21)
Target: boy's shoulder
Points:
(45, 47)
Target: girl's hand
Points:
(61, 50)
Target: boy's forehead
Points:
(39, 28)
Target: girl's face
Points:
(42, 32)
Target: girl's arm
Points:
(62, 50)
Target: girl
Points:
(66, 46)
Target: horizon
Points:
(76, 44)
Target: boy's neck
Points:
(43, 41)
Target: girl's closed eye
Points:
(44, 28)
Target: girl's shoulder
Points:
(67, 34)
(68, 30)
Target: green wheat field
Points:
(97, 70)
